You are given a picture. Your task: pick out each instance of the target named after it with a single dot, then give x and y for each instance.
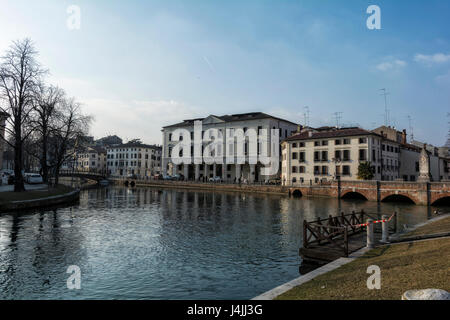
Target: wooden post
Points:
(346, 242)
(305, 238)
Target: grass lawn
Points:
(404, 266)
(439, 226)
(10, 196)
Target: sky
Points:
(137, 66)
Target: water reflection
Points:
(147, 243)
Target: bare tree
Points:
(48, 100)
(19, 75)
(71, 124)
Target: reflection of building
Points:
(137, 159)
(228, 172)
(3, 116)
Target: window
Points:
(337, 142)
(346, 170)
(301, 144)
(324, 170)
(301, 169)
(417, 166)
(362, 154)
(294, 145)
(294, 169)
(325, 142)
(346, 155)
(170, 137)
(316, 170)
(346, 141)
(324, 155)
(302, 157)
(337, 154)
(294, 155)
(316, 143)
(316, 156)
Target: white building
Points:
(328, 153)
(228, 123)
(138, 159)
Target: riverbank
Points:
(250, 188)
(44, 197)
(404, 266)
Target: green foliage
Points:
(365, 171)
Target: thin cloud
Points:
(389, 65)
(432, 59)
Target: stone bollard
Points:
(385, 229)
(370, 234)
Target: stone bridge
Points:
(83, 174)
(426, 193)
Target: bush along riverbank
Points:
(16, 201)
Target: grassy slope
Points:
(404, 266)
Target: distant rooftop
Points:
(134, 145)
(329, 132)
(231, 118)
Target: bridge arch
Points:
(354, 195)
(398, 198)
(442, 201)
(297, 193)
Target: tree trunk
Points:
(18, 177)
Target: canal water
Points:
(165, 244)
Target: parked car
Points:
(132, 176)
(215, 179)
(166, 177)
(32, 178)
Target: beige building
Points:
(323, 154)
(226, 172)
(138, 159)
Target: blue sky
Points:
(139, 65)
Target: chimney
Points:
(404, 136)
(310, 134)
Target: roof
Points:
(135, 145)
(231, 118)
(335, 133)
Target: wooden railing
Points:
(333, 230)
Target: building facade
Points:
(223, 169)
(314, 156)
(138, 159)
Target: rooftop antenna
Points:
(386, 112)
(306, 114)
(338, 116)
(410, 128)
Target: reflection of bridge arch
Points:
(354, 195)
(85, 175)
(398, 198)
(441, 200)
